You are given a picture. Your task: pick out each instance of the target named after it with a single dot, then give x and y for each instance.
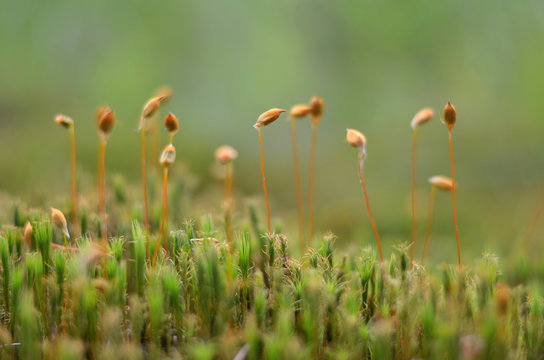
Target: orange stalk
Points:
(264, 182)
(228, 202)
(453, 200)
(429, 224)
(68, 123)
(414, 222)
(106, 121)
(74, 191)
(229, 182)
(311, 186)
(165, 199)
(368, 206)
(102, 181)
(164, 217)
(297, 186)
(225, 155)
(102, 189)
(266, 118)
(226, 186)
(316, 111)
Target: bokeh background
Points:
(375, 63)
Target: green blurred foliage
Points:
(374, 62)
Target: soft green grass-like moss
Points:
(204, 301)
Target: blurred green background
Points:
(375, 63)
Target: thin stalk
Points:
(144, 184)
(360, 163)
(228, 203)
(297, 186)
(164, 215)
(264, 182)
(414, 222)
(102, 189)
(100, 181)
(429, 224)
(453, 200)
(226, 185)
(311, 187)
(230, 174)
(165, 200)
(536, 213)
(74, 191)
